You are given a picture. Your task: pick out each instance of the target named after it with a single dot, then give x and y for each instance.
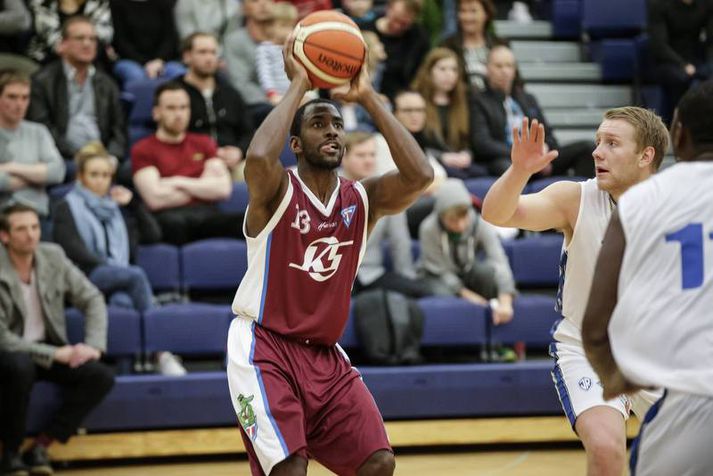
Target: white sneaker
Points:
(520, 13)
(169, 364)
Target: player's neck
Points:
(321, 182)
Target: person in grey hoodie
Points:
(453, 238)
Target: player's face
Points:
(471, 17)
(14, 100)
(322, 137)
(410, 110)
(173, 111)
(616, 157)
(360, 162)
(96, 175)
(202, 59)
(444, 74)
(24, 234)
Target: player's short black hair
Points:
(296, 126)
(695, 111)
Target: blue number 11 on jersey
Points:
(691, 239)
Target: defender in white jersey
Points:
(630, 146)
(652, 298)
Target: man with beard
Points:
(292, 386)
(217, 109)
(179, 175)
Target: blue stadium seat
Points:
(162, 264)
(479, 186)
(617, 57)
(613, 18)
(287, 157)
(452, 321)
(214, 264)
(238, 200)
(187, 329)
(57, 192)
(386, 251)
(140, 121)
(532, 321)
(566, 19)
(540, 184)
(535, 260)
(349, 337)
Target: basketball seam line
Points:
(337, 52)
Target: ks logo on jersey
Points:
(348, 214)
(322, 258)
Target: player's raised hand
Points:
(356, 89)
(293, 68)
(529, 153)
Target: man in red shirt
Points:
(179, 176)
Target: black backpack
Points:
(389, 327)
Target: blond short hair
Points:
(649, 129)
(90, 151)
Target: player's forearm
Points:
(269, 139)
(502, 199)
(410, 160)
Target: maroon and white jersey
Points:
(302, 265)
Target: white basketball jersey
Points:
(579, 257)
(662, 328)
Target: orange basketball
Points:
(331, 48)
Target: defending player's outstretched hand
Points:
(529, 152)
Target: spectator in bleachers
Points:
(474, 38)
(681, 33)
(49, 17)
(217, 17)
(99, 226)
(362, 12)
(217, 109)
(449, 112)
(179, 175)
(305, 7)
(268, 54)
(29, 160)
(145, 40)
(359, 163)
(36, 280)
(15, 22)
(239, 53)
(452, 239)
(405, 42)
(77, 102)
(501, 107)
(410, 110)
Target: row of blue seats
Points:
(200, 400)
(220, 264)
(198, 329)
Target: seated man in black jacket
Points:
(217, 109)
(502, 106)
(77, 102)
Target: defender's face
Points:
(322, 136)
(616, 157)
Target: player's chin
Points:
(330, 161)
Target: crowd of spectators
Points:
(217, 68)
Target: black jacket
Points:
(489, 121)
(49, 105)
(142, 228)
(231, 124)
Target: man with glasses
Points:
(77, 102)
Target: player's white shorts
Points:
(675, 437)
(578, 386)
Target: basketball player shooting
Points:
(293, 388)
(631, 143)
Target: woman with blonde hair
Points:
(448, 112)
